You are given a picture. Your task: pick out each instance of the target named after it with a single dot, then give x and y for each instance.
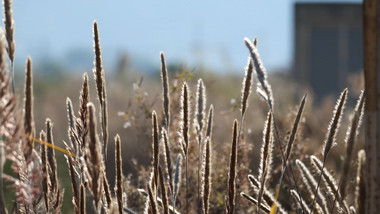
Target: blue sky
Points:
(195, 32)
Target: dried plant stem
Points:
(207, 176)
(74, 184)
(267, 196)
(351, 135)
(9, 35)
(72, 132)
(311, 184)
(232, 173)
(177, 179)
(185, 115)
(168, 159)
(28, 108)
(93, 161)
(45, 180)
(2, 202)
(155, 148)
(260, 72)
(289, 148)
(165, 200)
(265, 159)
(352, 132)
(293, 133)
(210, 121)
(330, 138)
(209, 141)
(119, 174)
(107, 192)
(200, 107)
(152, 201)
(246, 90)
(300, 201)
(82, 204)
(165, 87)
(329, 182)
(263, 207)
(266, 91)
(101, 89)
(51, 157)
(98, 70)
(84, 99)
(360, 185)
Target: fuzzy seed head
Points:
(200, 107)
(246, 89)
(334, 124)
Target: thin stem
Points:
(187, 181)
(285, 163)
(199, 171)
(13, 76)
(316, 189)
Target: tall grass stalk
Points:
(268, 197)
(82, 204)
(351, 135)
(210, 122)
(311, 184)
(101, 91)
(300, 201)
(119, 174)
(263, 207)
(155, 149)
(265, 158)
(45, 180)
(28, 108)
(246, 91)
(93, 160)
(177, 179)
(164, 195)
(330, 183)
(199, 117)
(360, 191)
(152, 201)
(53, 178)
(165, 91)
(185, 115)
(3, 111)
(82, 125)
(168, 158)
(107, 192)
(9, 35)
(230, 200)
(350, 139)
(2, 161)
(265, 90)
(207, 162)
(74, 184)
(71, 131)
(330, 138)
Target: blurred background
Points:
(202, 34)
(313, 46)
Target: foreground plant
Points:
(38, 188)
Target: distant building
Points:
(328, 44)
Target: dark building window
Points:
(328, 44)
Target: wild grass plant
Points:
(193, 168)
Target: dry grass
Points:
(214, 176)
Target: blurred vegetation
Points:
(133, 95)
